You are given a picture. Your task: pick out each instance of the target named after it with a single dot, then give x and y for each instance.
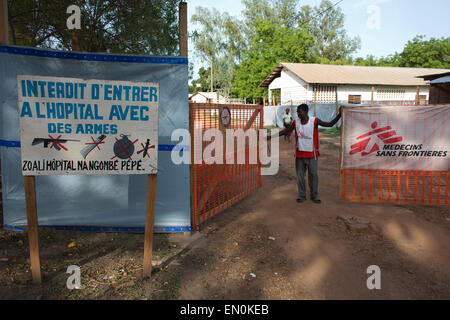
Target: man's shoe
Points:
(316, 200)
(299, 200)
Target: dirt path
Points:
(311, 254)
(314, 255)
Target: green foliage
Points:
(284, 12)
(274, 31)
(120, 26)
(203, 81)
(219, 43)
(279, 32)
(417, 53)
(371, 60)
(326, 24)
(433, 53)
(271, 31)
(208, 42)
(333, 132)
(271, 44)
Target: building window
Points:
(354, 99)
(276, 96)
(423, 99)
(390, 94)
(324, 93)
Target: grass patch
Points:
(333, 132)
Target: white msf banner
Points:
(396, 138)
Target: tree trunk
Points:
(212, 75)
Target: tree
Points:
(308, 34)
(326, 24)
(202, 83)
(418, 53)
(219, 43)
(121, 26)
(433, 53)
(370, 60)
(282, 11)
(271, 44)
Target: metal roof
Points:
(339, 74)
(434, 76)
(445, 79)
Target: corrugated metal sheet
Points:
(441, 80)
(434, 76)
(338, 74)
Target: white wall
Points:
(292, 88)
(198, 98)
(410, 94)
(345, 90)
(295, 89)
(366, 92)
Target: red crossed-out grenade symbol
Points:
(123, 147)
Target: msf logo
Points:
(369, 141)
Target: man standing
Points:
(307, 150)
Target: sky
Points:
(384, 26)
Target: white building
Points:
(206, 97)
(297, 83)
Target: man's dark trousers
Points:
(301, 165)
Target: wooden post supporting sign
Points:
(32, 226)
(149, 224)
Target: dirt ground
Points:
(266, 246)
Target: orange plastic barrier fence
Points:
(394, 186)
(215, 187)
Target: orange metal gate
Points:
(215, 187)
